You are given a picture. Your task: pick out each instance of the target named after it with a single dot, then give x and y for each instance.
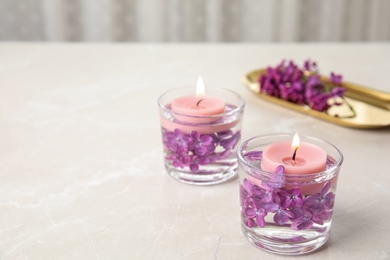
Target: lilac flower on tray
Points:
(195, 149)
(301, 86)
(288, 206)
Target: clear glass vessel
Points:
(201, 149)
(288, 214)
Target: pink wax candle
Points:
(297, 159)
(309, 158)
(194, 107)
(198, 112)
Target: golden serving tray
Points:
(364, 107)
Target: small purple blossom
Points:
(282, 215)
(195, 149)
(301, 86)
(199, 143)
(257, 214)
(336, 79)
(305, 221)
(288, 206)
(293, 92)
(310, 66)
(176, 140)
(180, 159)
(251, 193)
(321, 201)
(290, 198)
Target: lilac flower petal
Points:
(195, 134)
(206, 139)
(325, 215)
(270, 207)
(337, 92)
(258, 193)
(200, 150)
(312, 200)
(280, 218)
(336, 79)
(325, 189)
(276, 197)
(203, 160)
(297, 213)
(328, 200)
(260, 220)
(194, 167)
(248, 185)
(295, 192)
(250, 223)
(254, 155)
(317, 219)
(279, 169)
(250, 212)
(305, 225)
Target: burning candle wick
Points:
(197, 104)
(295, 153)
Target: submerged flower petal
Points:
(281, 217)
(254, 155)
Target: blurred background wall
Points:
(195, 20)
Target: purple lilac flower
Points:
(256, 213)
(321, 201)
(310, 66)
(177, 141)
(336, 79)
(195, 149)
(305, 221)
(274, 181)
(199, 143)
(287, 205)
(180, 159)
(337, 92)
(282, 214)
(250, 193)
(195, 161)
(315, 96)
(293, 92)
(290, 198)
(300, 86)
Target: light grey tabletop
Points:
(81, 165)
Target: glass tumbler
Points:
(284, 213)
(201, 149)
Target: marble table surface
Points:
(81, 167)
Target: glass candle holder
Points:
(201, 149)
(284, 213)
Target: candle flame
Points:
(200, 88)
(295, 145)
(295, 142)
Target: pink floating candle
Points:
(194, 107)
(199, 112)
(297, 158)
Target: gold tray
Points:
(364, 107)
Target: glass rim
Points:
(326, 172)
(238, 109)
